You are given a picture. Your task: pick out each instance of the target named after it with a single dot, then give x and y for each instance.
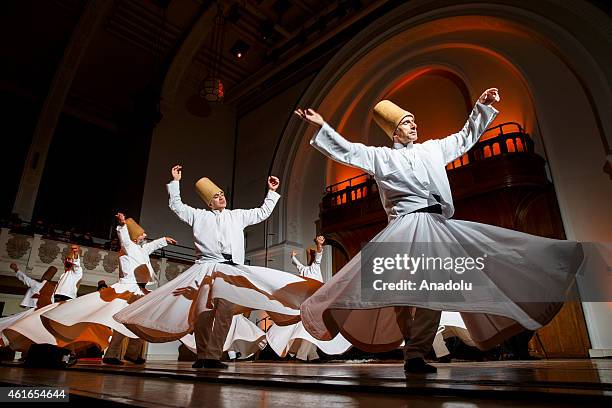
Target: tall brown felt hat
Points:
(388, 116)
(134, 229)
(207, 189)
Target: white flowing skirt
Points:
(243, 337)
(160, 316)
(451, 325)
(8, 321)
(290, 340)
(530, 263)
(30, 330)
(94, 309)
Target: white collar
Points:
(397, 145)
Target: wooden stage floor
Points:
(550, 383)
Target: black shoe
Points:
(72, 360)
(418, 366)
(138, 361)
(208, 363)
(112, 361)
(199, 363)
(444, 359)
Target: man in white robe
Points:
(37, 295)
(313, 269)
(219, 238)
(31, 297)
(69, 281)
(416, 195)
(134, 269)
(93, 313)
(294, 339)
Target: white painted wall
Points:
(204, 146)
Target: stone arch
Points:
(368, 65)
(558, 55)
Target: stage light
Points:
(239, 49)
(266, 30)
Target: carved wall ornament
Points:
(48, 252)
(110, 262)
(92, 258)
(17, 246)
(172, 271)
(156, 265)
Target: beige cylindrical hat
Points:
(206, 189)
(134, 229)
(388, 116)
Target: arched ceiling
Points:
(140, 39)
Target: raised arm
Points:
(184, 212)
(457, 144)
(77, 269)
(333, 145)
(257, 215)
(126, 242)
(300, 267)
(314, 270)
(25, 279)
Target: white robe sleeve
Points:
(184, 212)
(457, 144)
(318, 257)
(77, 269)
(257, 215)
(333, 145)
(298, 265)
(25, 279)
(314, 270)
(153, 246)
(126, 242)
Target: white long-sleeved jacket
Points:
(408, 176)
(68, 282)
(134, 255)
(311, 271)
(212, 228)
(34, 288)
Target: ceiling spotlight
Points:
(266, 30)
(239, 49)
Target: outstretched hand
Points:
(188, 291)
(170, 240)
(310, 116)
(177, 172)
(273, 183)
(489, 96)
(120, 218)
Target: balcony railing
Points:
(511, 139)
(34, 254)
(350, 190)
(516, 141)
